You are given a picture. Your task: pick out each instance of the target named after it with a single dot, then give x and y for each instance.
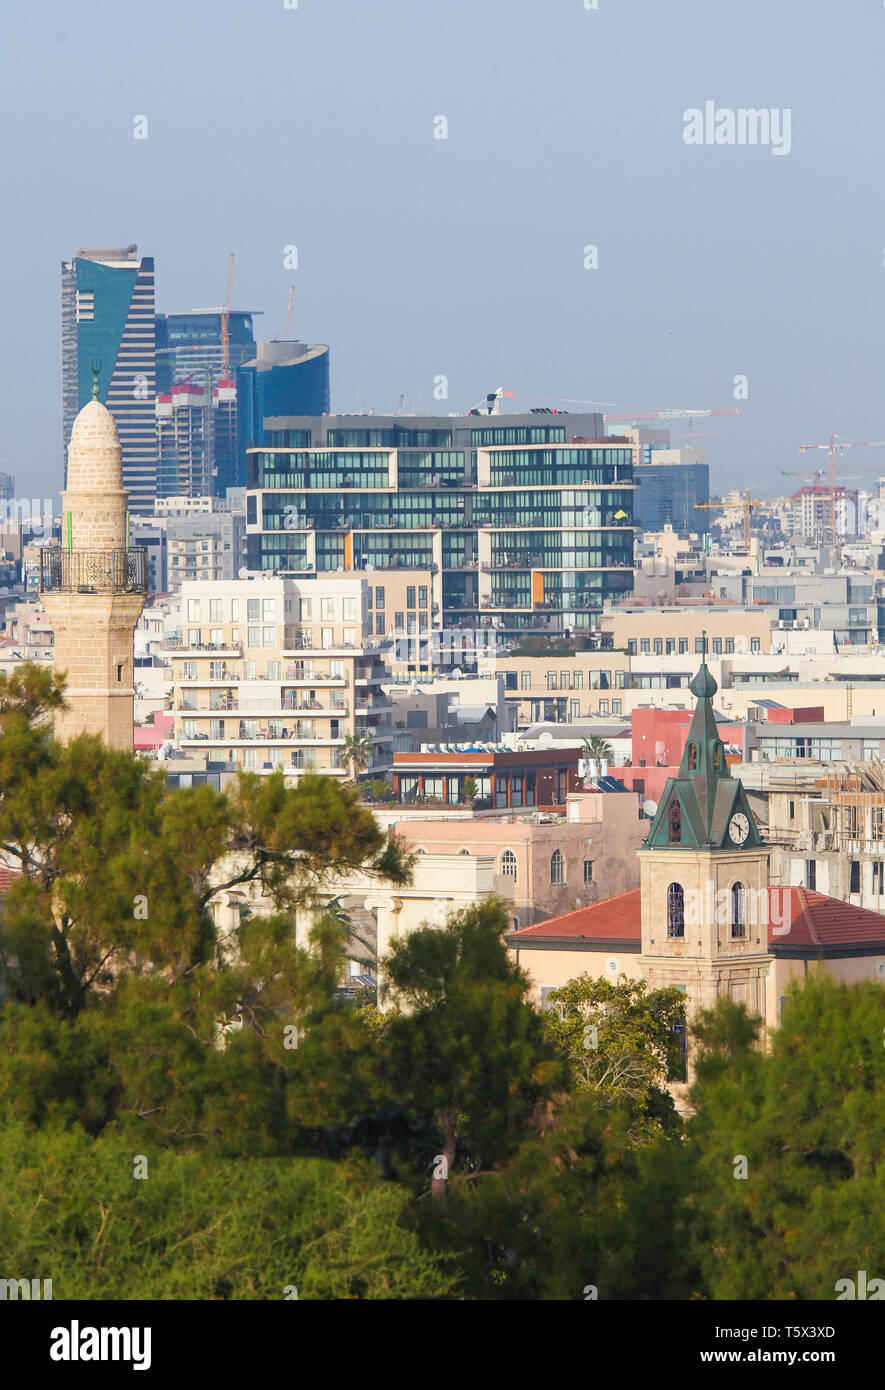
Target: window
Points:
(508, 864)
(557, 867)
(675, 910)
(811, 873)
(193, 610)
(617, 706)
(877, 822)
(253, 610)
(877, 877)
(551, 680)
(422, 596)
(718, 759)
(729, 646)
(525, 680)
(631, 646)
(253, 636)
(216, 637)
(327, 609)
(399, 622)
(379, 597)
(699, 646)
(644, 645)
(717, 646)
(563, 680)
(574, 709)
(792, 810)
(683, 645)
(692, 757)
(306, 610)
(603, 706)
(119, 671)
(410, 596)
(379, 624)
(738, 911)
(350, 610)
(588, 870)
(754, 644)
(326, 638)
(658, 646)
(674, 822)
(671, 645)
(854, 877)
(577, 680)
(216, 613)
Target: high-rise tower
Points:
(93, 586)
(107, 315)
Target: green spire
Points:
(705, 793)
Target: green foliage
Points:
(200, 1228)
(809, 1117)
(622, 1042)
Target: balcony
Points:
(122, 571)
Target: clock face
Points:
(739, 827)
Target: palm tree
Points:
(597, 747)
(358, 751)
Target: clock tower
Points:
(704, 877)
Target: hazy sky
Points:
(418, 257)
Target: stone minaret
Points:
(93, 587)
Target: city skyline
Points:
(420, 257)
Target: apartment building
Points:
(684, 630)
(272, 673)
(524, 521)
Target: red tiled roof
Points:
(812, 920)
(6, 878)
(613, 917)
(816, 920)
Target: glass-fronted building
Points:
(524, 522)
(107, 316)
(283, 379)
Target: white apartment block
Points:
(273, 673)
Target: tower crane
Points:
(836, 445)
(667, 415)
(747, 506)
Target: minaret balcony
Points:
(122, 571)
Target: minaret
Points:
(704, 877)
(93, 587)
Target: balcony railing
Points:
(122, 571)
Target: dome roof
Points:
(95, 459)
(94, 425)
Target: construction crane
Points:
(667, 415)
(492, 403)
(835, 446)
(225, 323)
(289, 308)
(747, 506)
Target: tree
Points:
(463, 1042)
(469, 789)
(597, 747)
(622, 1041)
(115, 972)
(358, 751)
(789, 1144)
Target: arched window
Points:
(738, 910)
(717, 758)
(508, 864)
(692, 757)
(557, 867)
(675, 910)
(675, 822)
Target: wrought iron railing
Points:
(93, 571)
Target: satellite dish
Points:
(242, 572)
(650, 808)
